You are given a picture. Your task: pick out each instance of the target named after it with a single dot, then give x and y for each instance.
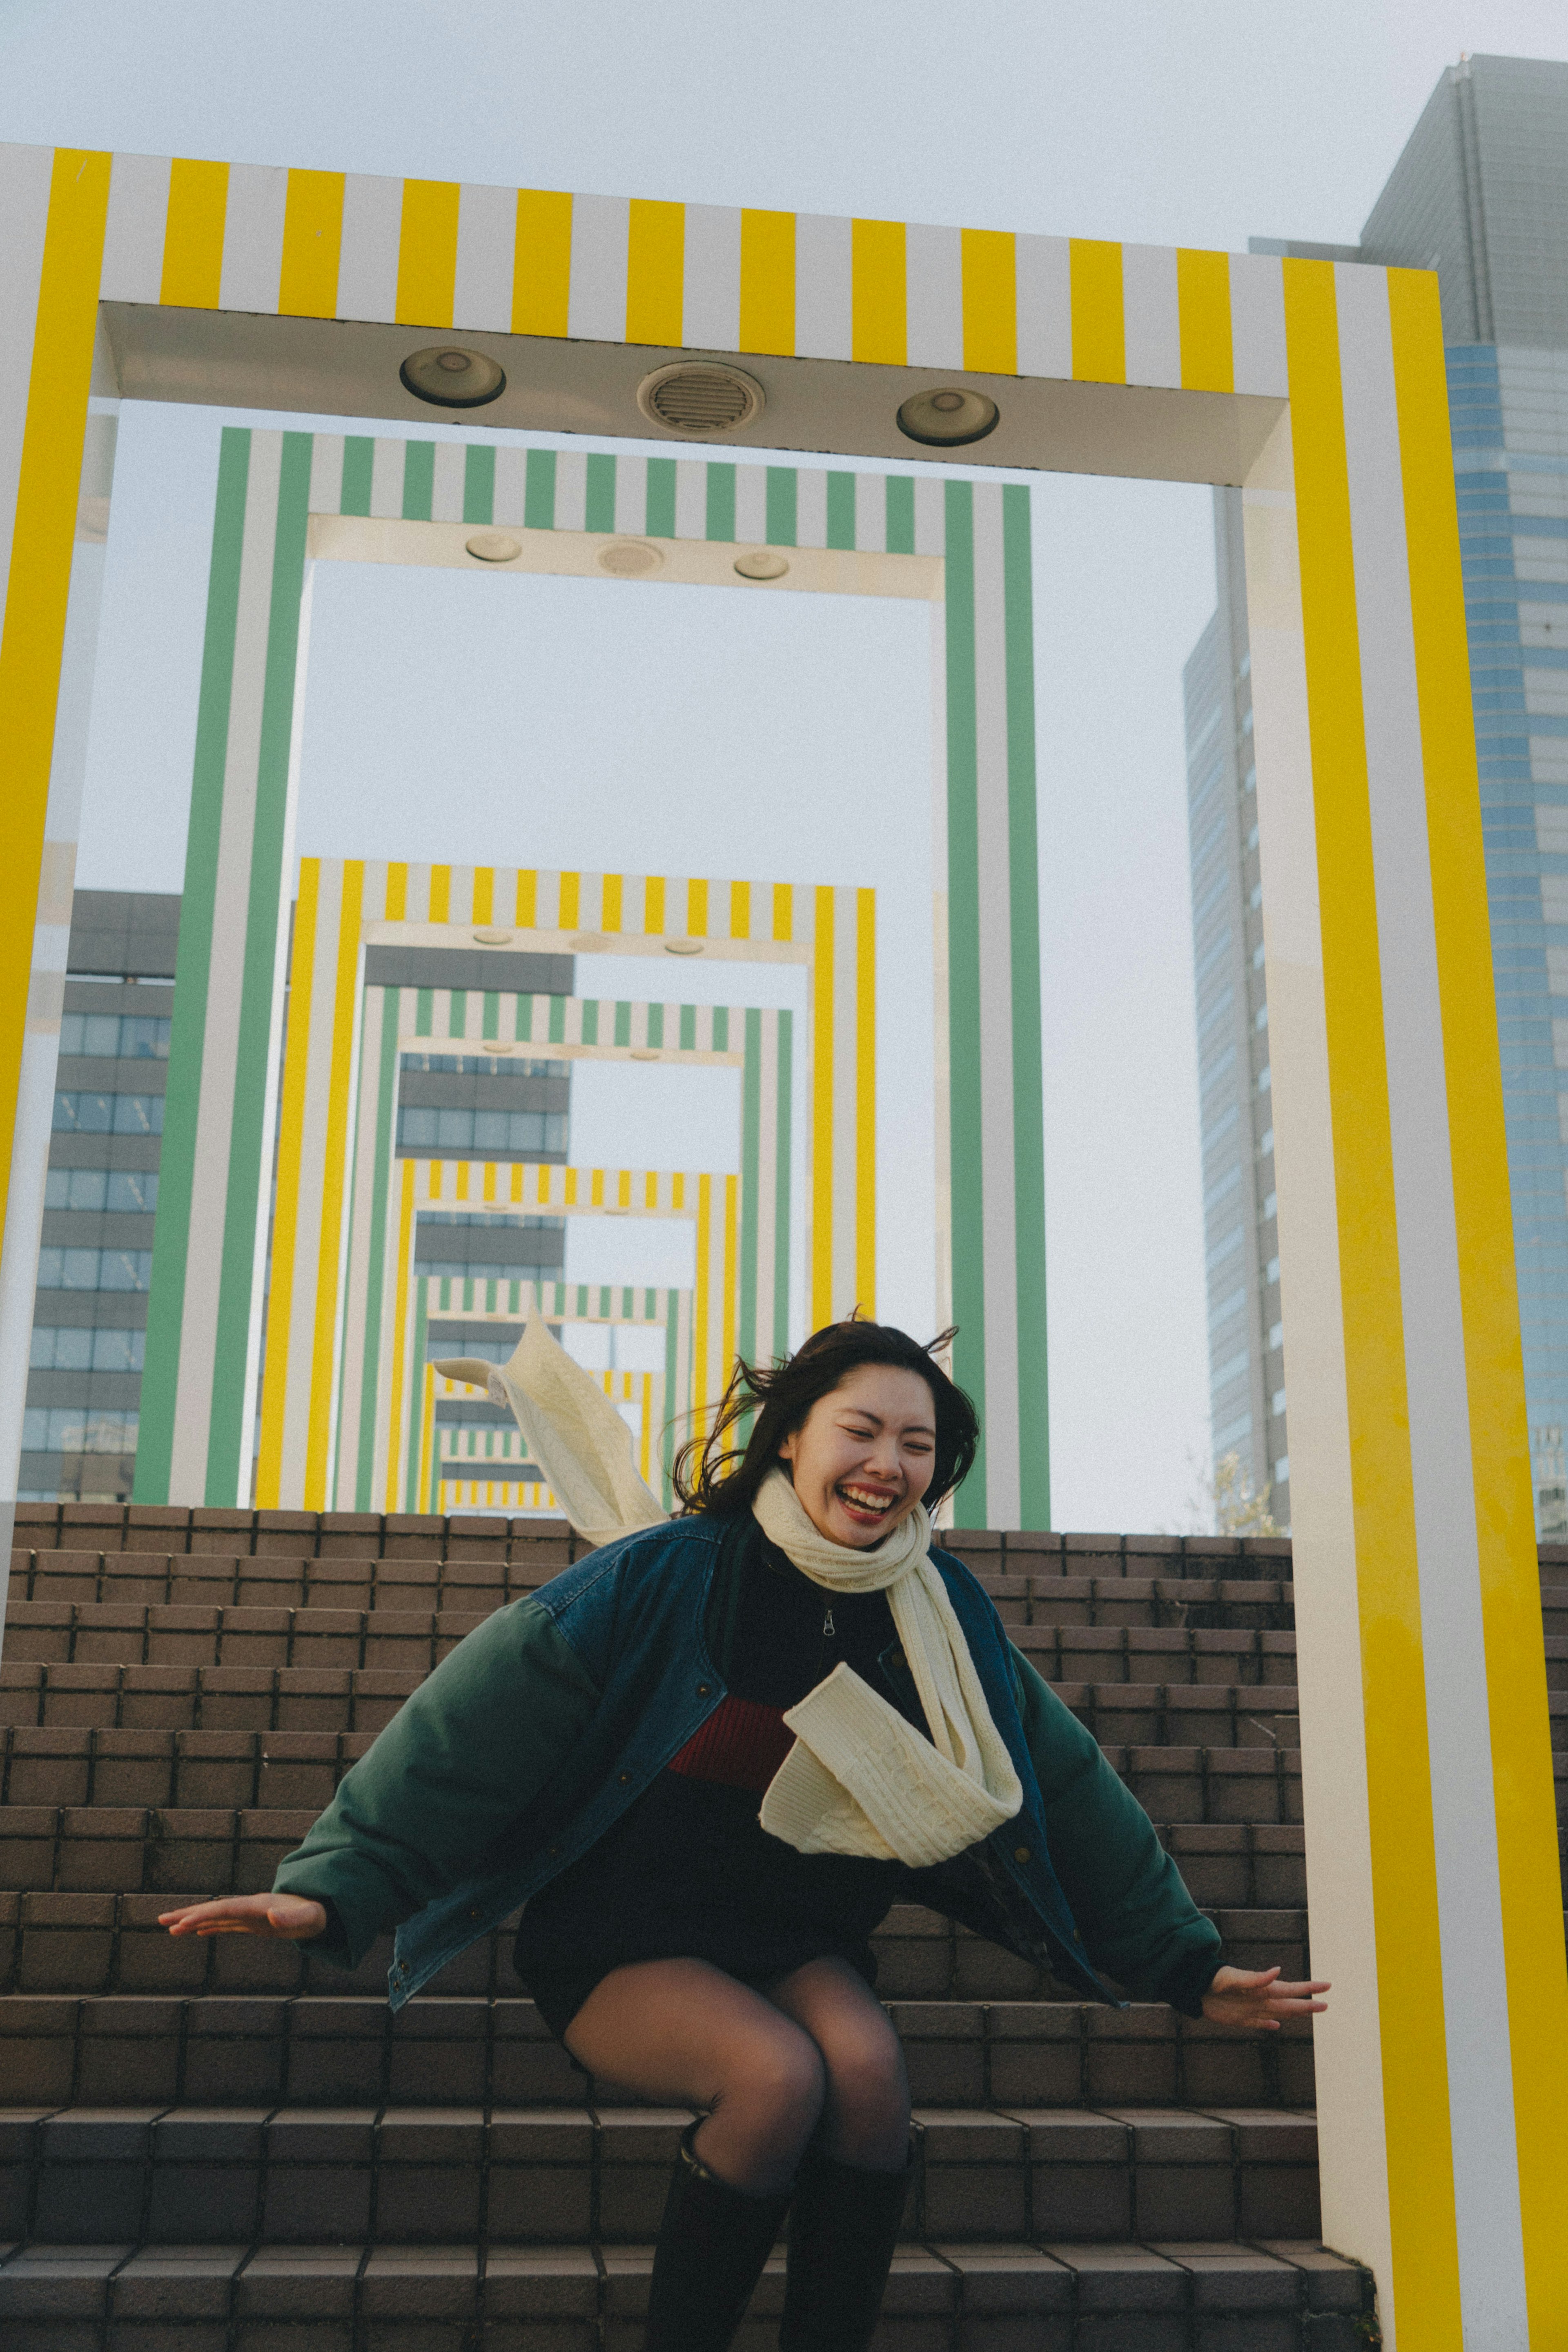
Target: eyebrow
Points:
(925, 1428)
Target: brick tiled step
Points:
(206, 1698)
(548, 2175)
(352, 2051)
(99, 1632)
(1271, 2296)
(225, 1580)
(111, 1943)
(312, 1535)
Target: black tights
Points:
(815, 2050)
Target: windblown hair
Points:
(722, 1476)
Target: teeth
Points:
(866, 1502)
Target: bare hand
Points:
(1257, 2003)
(289, 1918)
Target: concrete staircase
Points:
(225, 2146)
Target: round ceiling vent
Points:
(630, 558)
(700, 398)
(762, 563)
(947, 419)
(494, 547)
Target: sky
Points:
(544, 720)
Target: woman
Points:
(599, 1750)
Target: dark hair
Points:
(711, 1476)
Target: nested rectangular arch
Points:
(1442, 2068)
(332, 1342)
(458, 1455)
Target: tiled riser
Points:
(556, 2178)
(60, 2052)
(1283, 2298)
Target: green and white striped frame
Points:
(285, 498)
(498, 1453)
(325, 1396)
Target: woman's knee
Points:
(779, 2077)
(868, 2098)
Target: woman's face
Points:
(862, 1457)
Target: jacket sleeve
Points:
(461, 1759)
(1139, 1923)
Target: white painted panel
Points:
(446, 490)
(596, 305)
(326, 492)
(930, 514)
(252, 237)
(1552, 840)
(632, 494)
(1153, 315)
(571, 490)
(691, 497)
(1045, 305)
(511, 478)
(711, 283)
(824, 288)
(487, 240)
(933, 279)
(1258, 323)
(367, 267)
(133, 234)
(810, 507)
(386, 476)
(751, 503)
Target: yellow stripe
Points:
(656, 272)
(1099, 329)
(654, 903)
(990, 301)
(821, 1175)
(193, 235)
(731, 1262)
(879, 297)
(768, 282)
(427, 253)
(312, 244)
(440, 894)
(610, 908)
(405, 1225)
(1494, 1370)
(865, 1099)
(541, 263)
(285, 1210)
(783, 910)
(696, 910)
(740, 910)
(702, 1304)
(1203, 297)
(570, 890)
(48, 487)
(528, 901)
(397, 891)
(426, 1440)
(1426, 2283)
(330, 1251)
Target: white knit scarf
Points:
(860, 1779)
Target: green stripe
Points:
(385, 1152)
(490, 1018)
(591, 1020)
(750, 1179)
(245, 1206)
(623, 1024)
(655, 1024)
(688, 1028)
(782, 481)
(457, 1013)
(660, 498)
(670, 1436)
(721, 1028)
(358, 463)
(424, 1012)
(963, 963)
(781, 1211)
(415, 1403)
(600, 503)
(557, 1034)
(525, 1020)
(177, 1161)
(478, 484)
(720, 522)
(900, 513)
(418, 480)
(538, 490)
(1029, 1105)
(841, 510)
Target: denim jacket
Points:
(548, 1721)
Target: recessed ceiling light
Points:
(704, 399)
(684, 947)
(494, 546)
(449, 377)
(630, 558)
(494, 939)
(763, 564)
(646, 1054)
(945, 418)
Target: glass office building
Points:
(1480, 193)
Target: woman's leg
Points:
(682, 2032)
(849, 2202)
(685, 2033)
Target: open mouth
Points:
(865, 1505)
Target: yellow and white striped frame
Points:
(1318, 387)
(487, 1453)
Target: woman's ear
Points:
(787, 1448)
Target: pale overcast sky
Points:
(580, 722)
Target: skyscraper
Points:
(1480, 193)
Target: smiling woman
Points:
(706, 1760)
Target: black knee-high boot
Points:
(712, 2243)
(843, 2232)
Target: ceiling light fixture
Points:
(646, 1054)
(701, 398)
(493, 939)
(684, 946)
(494, 547)
(448, 377)
(630, 558)
(948, 417)
(763, 564)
